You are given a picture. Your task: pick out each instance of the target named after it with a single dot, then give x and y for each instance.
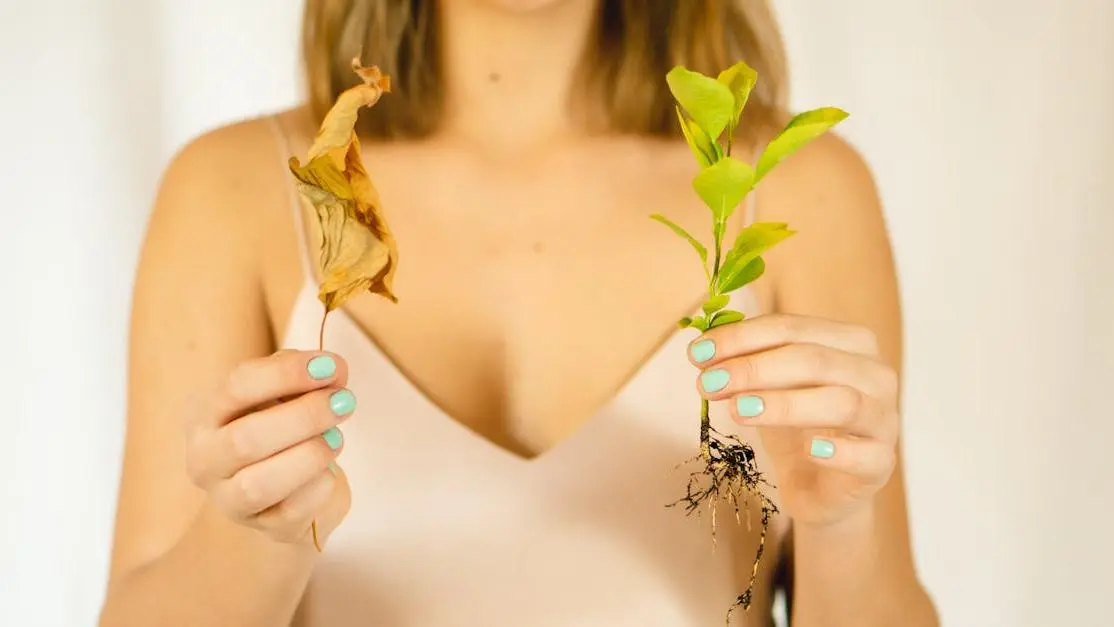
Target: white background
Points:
(989, 128)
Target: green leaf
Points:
(727, 316)
(748, 274)
(751, 242)
(723, 185)
(707, 101)
(801, 130)
(707, 151)
(715, 303)
(685, 322)
(700, 249)
(698, 322)
(740, 80)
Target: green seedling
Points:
(709, 111)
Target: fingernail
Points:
(714, 380)
(822, 448)
(342, 402)
(333, 438)
(749, 406)
(321, 367)
(703, 350)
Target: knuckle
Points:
(888, 381)
(249, 492)
(286, 514)
(243, 446)
(195, 467)
(783, 410)
(322, 454)
(314, 412)
(813, 359)
(191, 411)
(240, 382)
(885, 461)
(291, 369)
(195, 473)
(893, 381)
(867, 339)
(747, 372)
(787, 326)
(847, 404)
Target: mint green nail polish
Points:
(333, 438)
(342, 402)
(321, 367)
(749, 406)
(714, 380)
(822, 448)
(703, 350)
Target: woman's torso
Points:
(523, 406)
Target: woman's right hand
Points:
(262, 444)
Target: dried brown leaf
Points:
(358, 252)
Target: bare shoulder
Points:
(827, 182)
(225, 192)
(840, 263)
(218, 214)
(233, 168)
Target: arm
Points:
(198, 312)
(839, 267)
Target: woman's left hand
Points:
(823, 401)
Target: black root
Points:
(730, 472)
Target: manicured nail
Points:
(749, 406)
(342, 402)
(714, 380)
(822, 448)
(703, 350)
(333, 438)
(321, 367)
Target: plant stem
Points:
(715, 269)
(321, 332)
(320, 347)
(705, 431)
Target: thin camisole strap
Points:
(295, 199)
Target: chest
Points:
(531, 290)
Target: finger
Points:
(773, 330)
(256, 382)
(796, 366)
(871, 460)
(293, 515)
(824, 407)
(264, 484)
(261, 434)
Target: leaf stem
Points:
(715, 271)
(320, 347)
(321, 332)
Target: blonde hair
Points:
(634, 44)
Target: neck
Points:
(508, 74)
